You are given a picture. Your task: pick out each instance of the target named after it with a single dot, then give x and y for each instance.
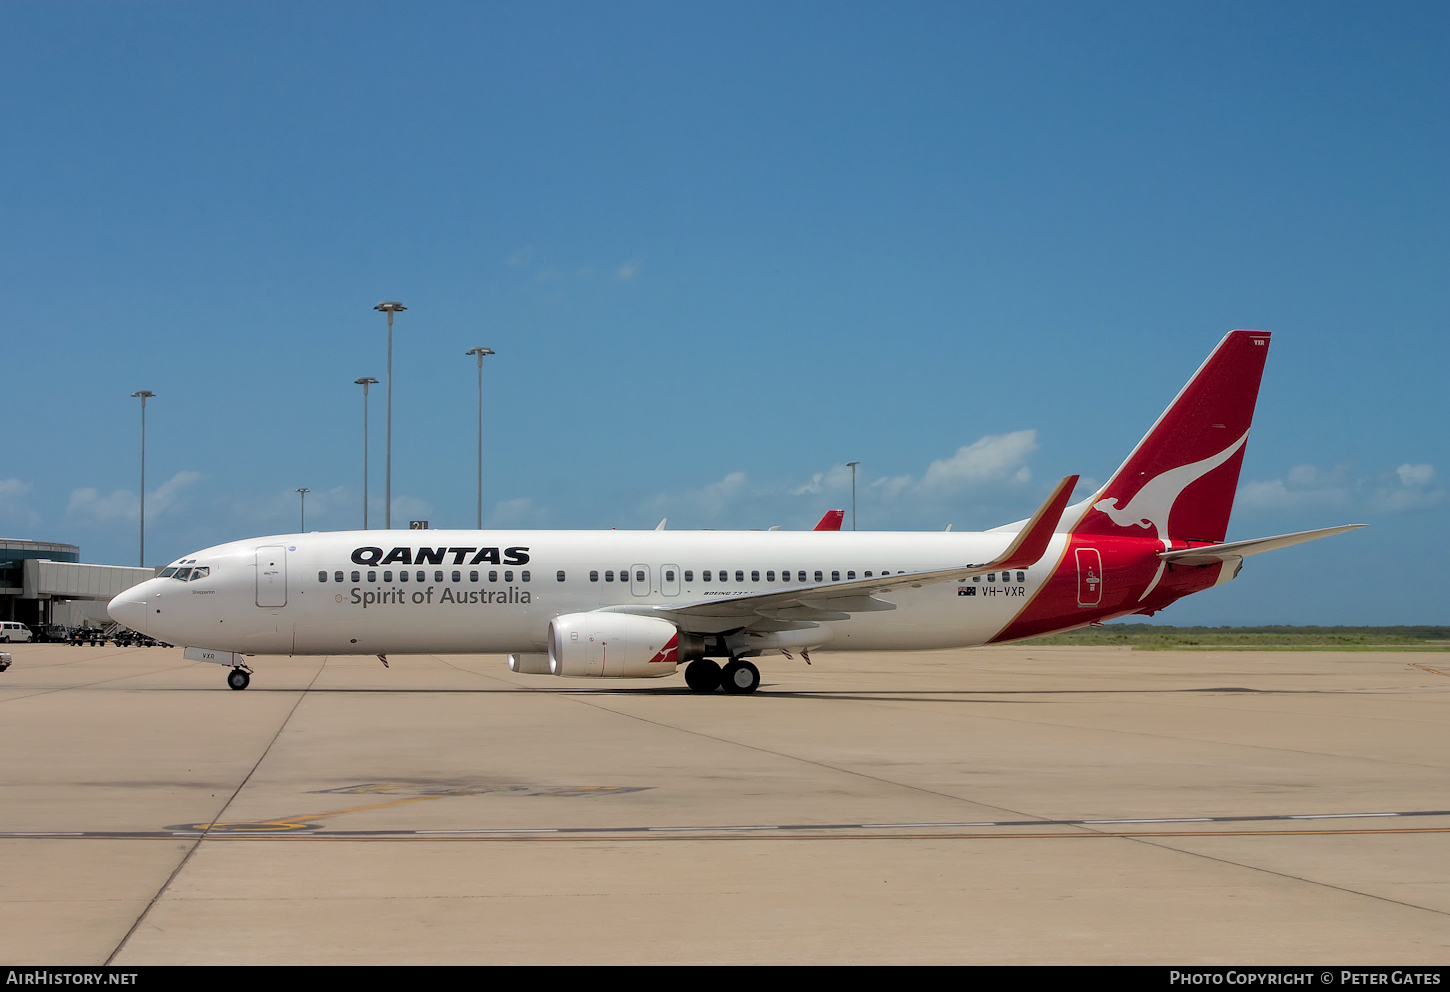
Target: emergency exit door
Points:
(639, 580)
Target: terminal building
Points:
(43, 583)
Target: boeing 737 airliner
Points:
(638, 604)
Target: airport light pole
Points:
(480, 352)
(853, 493)
(389, 307)
(365, 382)
(145, 394)
(303, 493)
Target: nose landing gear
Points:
(238, 678)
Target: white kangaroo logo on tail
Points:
(1151, 505)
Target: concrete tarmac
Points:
(1017, 805)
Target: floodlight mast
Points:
(480, 352)
(853, 493)
(303, 525)
(144, 394)
(389, 307)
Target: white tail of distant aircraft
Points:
(632, 604)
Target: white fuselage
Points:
(496, 591)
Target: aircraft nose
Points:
(129, 608)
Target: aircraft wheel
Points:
(740, 678)
(702, 675)
(238, 679)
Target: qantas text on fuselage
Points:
(636, 604)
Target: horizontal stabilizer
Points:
(1242, 549)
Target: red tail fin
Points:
(831, 521)
(1179, 482)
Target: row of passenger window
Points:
(724, 575)
(707, 575)
(639, 576)
(422, 576)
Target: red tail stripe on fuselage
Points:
(1128, 565)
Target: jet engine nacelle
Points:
(612, 645)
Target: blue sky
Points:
(721, 251)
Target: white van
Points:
(11, 631)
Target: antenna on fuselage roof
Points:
(661, 524)
(949, 527)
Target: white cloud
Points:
(88, 506)
(407, 508)
(1416, 475)
(693, 507)
(837, 480)
(323, 506)
(170, 491)
(893, 487)
(1306, 487)
(1278, 495)
(519, 512)
(709, 502)
(1413, 492)
(994, 458)
(627, 270)
(14, 510)
(1404, 500)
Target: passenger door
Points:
(1089, 577)
(272, 576)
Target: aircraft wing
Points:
(803, 606)
(1210, 553)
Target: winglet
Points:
(1032, 540)
(831, 521)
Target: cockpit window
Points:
(200, 573)
(182, 574)
(167, 572)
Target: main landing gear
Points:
(738, 677)
(238, 678)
